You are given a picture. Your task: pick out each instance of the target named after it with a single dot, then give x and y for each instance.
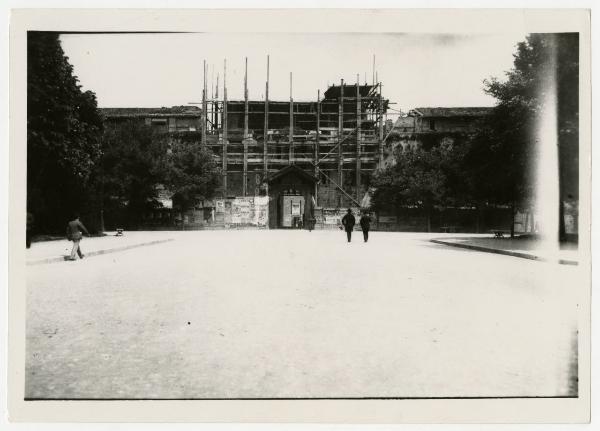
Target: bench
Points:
(499, 233)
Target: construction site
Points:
(302, 163)
(285, 163)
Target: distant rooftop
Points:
(174, 111)
(451, 112)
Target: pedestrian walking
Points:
(349, 221)
(75, 231)
(365, 224)
(311, 223)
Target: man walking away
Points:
(365, 224)
(74, 233)
(349, 221)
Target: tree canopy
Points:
(129, 170)
(74, 165)
(496, 163)
(190, 172)
(136, 159)
(63, 134)
(502, 155)
(420, 178)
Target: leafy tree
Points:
(417, 178)
(501, 156)
(132, 165)
(451, 153)
(567, 75)
(500, 160)
(190, 173)
(136, 159)
(63, 134)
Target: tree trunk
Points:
(102, 227)
(512, 219)
(480, 209)
(428, 219)
(562, 231)
(102, 220)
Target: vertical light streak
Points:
(547, 171)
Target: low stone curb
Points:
(98, 252)
(500, 251)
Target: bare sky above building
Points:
(153, 70)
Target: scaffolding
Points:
(338, 138)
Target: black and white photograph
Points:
(291, 213)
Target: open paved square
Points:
(293, 314)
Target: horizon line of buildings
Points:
(300, 160)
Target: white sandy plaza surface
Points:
(293, 314)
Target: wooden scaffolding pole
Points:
(291, 133)
(317, 144)
(340, 138)
(246, 100)
(204, 106)
(380, 109)
(225, 128)
(358, 137)
(266, 129)
(216, 108)
(373, 69)
(245, 140)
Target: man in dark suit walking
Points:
(365, 224)
(349, 221)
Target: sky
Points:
(416, 70)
